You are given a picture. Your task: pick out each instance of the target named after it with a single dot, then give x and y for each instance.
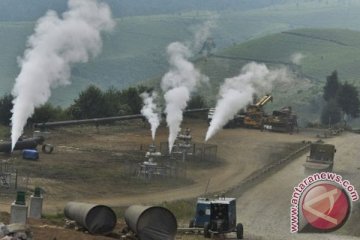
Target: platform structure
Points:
(150, 168)
(183, 146)
(187, 150)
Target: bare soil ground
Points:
(90, 165)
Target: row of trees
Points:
(342, 101)
(91, 103)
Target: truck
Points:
(283, 120)
(321, 158)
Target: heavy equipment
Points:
(283, 120)
(253, 117)
(255, 114)
(321, 158)
(217, 216)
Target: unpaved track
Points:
(241, 150)
(265, 209)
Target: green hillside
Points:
(135, 51)
(324, 50)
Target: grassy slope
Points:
(136, 50)
(325, 50)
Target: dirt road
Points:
(265, 209)
(241, 151)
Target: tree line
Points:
(341, 101)
(341, 104)
(91, 103)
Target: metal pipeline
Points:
(151, 223)
(29, 143)
(103, 120)
(97, 219)
(88, 121)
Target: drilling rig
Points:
(253, 117)
(255, 114)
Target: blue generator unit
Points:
(202, 214)
(30, 154)
(223, 218)
(217, 216)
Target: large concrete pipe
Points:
(151, 223)
(97, 219)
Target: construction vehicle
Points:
(283, 120)
(321, 158)
(217, 216)
(253, 117)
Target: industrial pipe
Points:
(97, 219)
(87, 121)
(29, 143)
(151, 223)
(103, 120)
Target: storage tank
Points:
(151, 223)
(97, 219)
(30, 154)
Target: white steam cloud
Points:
(203, 31)
(57, 43)
(297, 58)
(178, 84)
(151, 111)
(237, 92)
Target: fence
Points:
(196, 152)
(8, 176)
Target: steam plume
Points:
(57, 43)
(203, 31)
(237, 92)
(150, 111)
(178, 84)
(297, 58)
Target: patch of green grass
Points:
(183, 210)
(56, 219)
